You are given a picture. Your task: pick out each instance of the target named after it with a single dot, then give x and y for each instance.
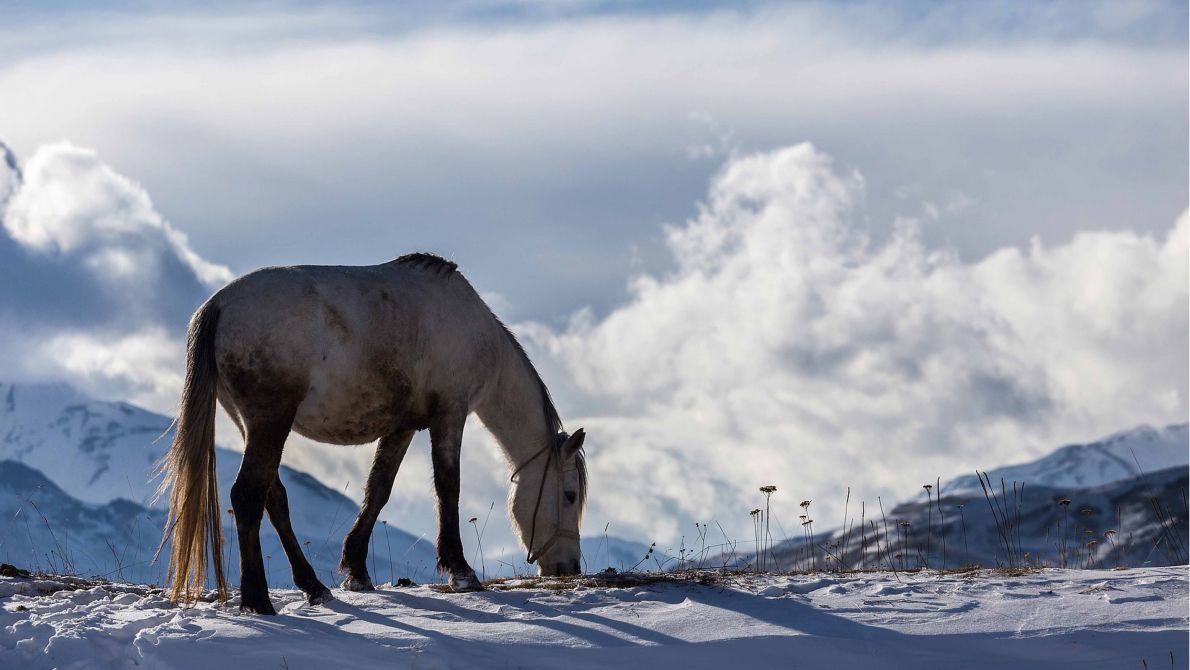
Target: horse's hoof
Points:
(320, 598)
(465, 583)
(354, 583)
(265, 607)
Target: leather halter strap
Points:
(559, 532)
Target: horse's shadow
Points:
(525, 612)
(597, 630)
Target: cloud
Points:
(70, 203)
(788, 348)
(335, 135)
(95, 286)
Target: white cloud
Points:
(97, 285)
(144, 366)
(323, 137)
(787, 348)
(72, 203)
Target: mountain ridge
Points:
(1121, 455)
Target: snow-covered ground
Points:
(1050, 619)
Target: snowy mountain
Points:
(1039, 531)
(1145, 513)
(86, 466)
(1107, 460)
(44, 529)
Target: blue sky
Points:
(988, 183)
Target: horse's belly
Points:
(354, 413)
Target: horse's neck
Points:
(514, 411)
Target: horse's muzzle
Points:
(564, 568)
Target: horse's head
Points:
(547, 501)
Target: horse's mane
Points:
(440, 266)
(552, 420)
(426, 261)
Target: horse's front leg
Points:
(389, 454)
(446, 436)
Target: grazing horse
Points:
(350, 355)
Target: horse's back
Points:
(365, 350)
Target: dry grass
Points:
(717, 578)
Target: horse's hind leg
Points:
(446, 437)
(389, 454)
(304, 576)
(258, 471)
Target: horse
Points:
(350, 355)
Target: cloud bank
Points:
(95, 286)
(283, 134)
(788, 348)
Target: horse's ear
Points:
(573, 443)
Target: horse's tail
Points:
(189, 468)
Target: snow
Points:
(1048, 619)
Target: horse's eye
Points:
(570, 496)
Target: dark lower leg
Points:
(304, 577)
(247, 500)
(447, 443)
(258, 471)
(389, 454)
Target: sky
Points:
(815, 245)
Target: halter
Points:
(558, 530)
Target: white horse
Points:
(349, 355)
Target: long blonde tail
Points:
(189, 469)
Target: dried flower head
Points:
(1064, 502)
(768, 489)
(805, 503)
